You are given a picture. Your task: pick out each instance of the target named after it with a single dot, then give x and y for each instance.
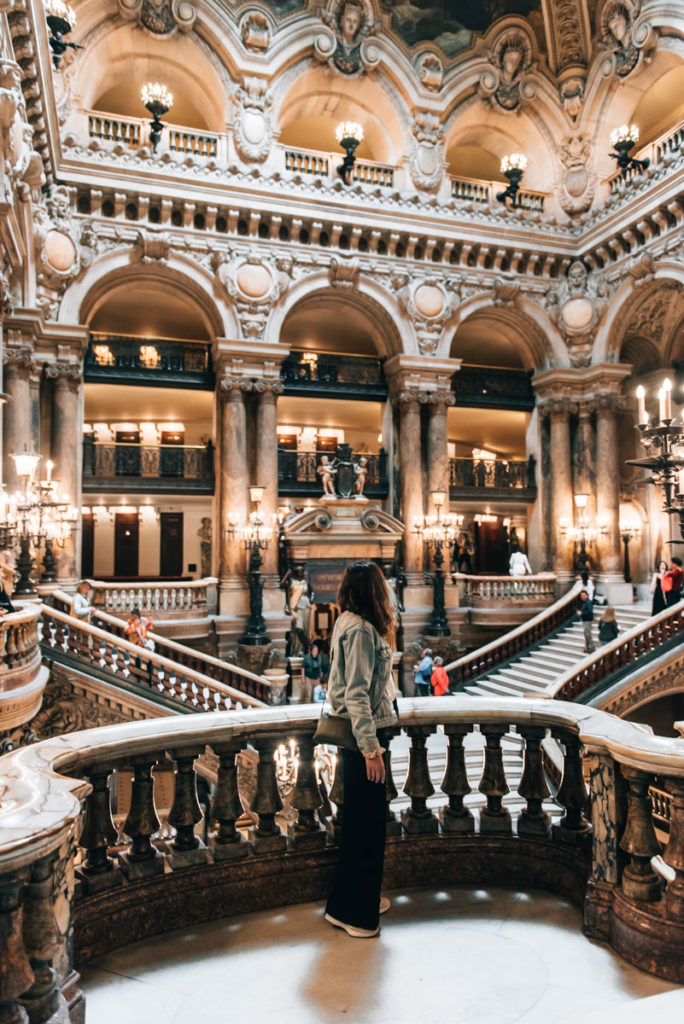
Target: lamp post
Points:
(349, 134)
(61, 20)
(623, 139)
(663, 441)
(583, 532)
(512, 168)
(438, 531)
(255, 536)
(628, 533)
(158, 100)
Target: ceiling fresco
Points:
(451, 24)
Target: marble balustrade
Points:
(599, 846)
(189, 597)
(22, 677)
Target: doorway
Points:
(170, 544)
(126, 529)
(492, 549)
(87, 546)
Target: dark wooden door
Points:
(87, 546)
(126, 544)
(171, 544)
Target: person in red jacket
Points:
(672, 582)
(439, 680)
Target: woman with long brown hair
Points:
(360, 688)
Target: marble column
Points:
(608, 484)
(585, 471)
(411, 489)
(561, 484)
(233, 477)
(16, 420)
(437, 451)
(67, 456)
(267, 462)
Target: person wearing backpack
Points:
(608, 627)
(422, 674)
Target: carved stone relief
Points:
(56, 248)
(427, 157)
(161, 17)
(509, 81)
(429, 305)
(253, 131)
(254, 284)
(623, 36)
(578, 183)
(347, 43)
(576, 304)
(431, 71)
(255, 31)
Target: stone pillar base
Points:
(304, 839)
(495, 823)
(267, 844)
(463, 824)
(419, 826)
(133, 869)
(179, 859)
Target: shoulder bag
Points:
(335, 731)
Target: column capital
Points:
(18, 359)
(417, 379)
(67, 375)
(605, 401)
(557, 405)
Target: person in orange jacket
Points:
(439, 680)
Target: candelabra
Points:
(584, 531)
(623, 139)
(158, 100)
(664, 443)
(512, 168)
(438, 531)
(349, 134)
(32, 516)
(61, 21)
(255, 536)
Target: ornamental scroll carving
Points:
(254, 284)
(576, 304)
(253, 130)
(578, 183)
(56, 247)
(427, 157)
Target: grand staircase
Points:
(536, 672)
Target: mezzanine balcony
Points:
(156, 362)
(298, 473)
(487, 387)
(156, 469)
(506, 479)
(312, 374)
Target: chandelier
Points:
(512, 168)
(663, 442)
(61, 20)
(584, 531)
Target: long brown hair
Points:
(363, 591)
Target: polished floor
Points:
(471, 957)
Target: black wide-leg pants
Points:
(355, 897)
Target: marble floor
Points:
(472, 957)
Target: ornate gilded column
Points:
(18, 366)
(437, 450)
(608, 481)
(66, 453)
(233, 475)
(411, 476)
(558, 409)
(267, 458)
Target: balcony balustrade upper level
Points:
(159, 469)
(356, 377)
(158, 362)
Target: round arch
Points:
(633, 296)
(366, 304)
(176, 278)
(521, 334)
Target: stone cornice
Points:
(591, 384)
(248, 367)
(415, 378)
(48, 340)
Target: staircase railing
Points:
(196, 597)
(199, 661)
(517, 640)
(476, 591)
(128, 663)
(625, 650)
(56, 799)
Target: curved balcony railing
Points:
(308, 373)
(517, 640)
(136, 883)
(22, 679)
(658, 633)
(175, 598)
(180, 687)
(484, 591)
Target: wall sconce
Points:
(512, 168)
(158, 100)
(623, 139)
(61, 21)
(349, 134)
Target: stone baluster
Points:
(606, 814)
(533, 820)
(98, 834)
(142, 822)
(494, 818)
(43, 941)
(16, 975)
(572, 793)
(306, 832)
(393, 825)
(187, 848)
(228, 843)
(418, 818)
(267, 836)
(455, 785)
(674, 851)
(639, 880)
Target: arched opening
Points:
(315, 105)
(662, 105)
(115, 67)
(660, 713)
(481, 137)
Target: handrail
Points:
(182, 654)
(624, 650)
(515, 641)
(130, 662)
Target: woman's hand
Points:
(375, 769)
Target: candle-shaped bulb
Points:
(641, 404)
(50, 465)
(667, 389)
(661, 404)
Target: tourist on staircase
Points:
(586, 614)
(608, 627)
(439, 679)
(422, 673)
(659, 603)
(672, 582)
